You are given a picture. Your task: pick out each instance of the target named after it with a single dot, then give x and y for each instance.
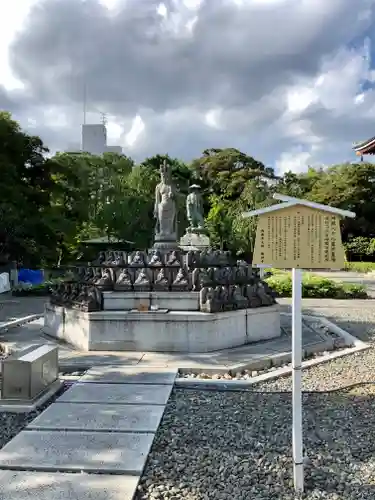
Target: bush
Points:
(360, 247)
(316, 287)
(360, 267)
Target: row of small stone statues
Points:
(164, 278)
(226, 298)
(86, 298)
(211, 299)
(174, 258)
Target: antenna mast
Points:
(104, 118)
(84, 103)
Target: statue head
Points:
(194, 188)
(165, 172)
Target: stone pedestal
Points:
(194, 241)
(165, 244)
(172, 331)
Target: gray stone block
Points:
(129, 375)
(99, 417)
(117, 394)
(15, 485)
(77, 451)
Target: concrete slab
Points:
(129, 375)
(17, 485)
(117, 394)
(114, 453)
(99, 417)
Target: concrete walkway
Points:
(93, 442)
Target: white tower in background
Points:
(94, 138)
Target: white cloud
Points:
(134, 133)
(280, 79)
(11, 22)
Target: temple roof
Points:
(365, 147)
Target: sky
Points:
(290, 82)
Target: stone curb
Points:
(20, 321)
(223, 385)
(348, 337)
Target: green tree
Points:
(25, 232)
(226, 172)
(350, 187)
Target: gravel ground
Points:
(335, 374)
(13, 423)
(237, 445)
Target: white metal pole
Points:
(297, 379)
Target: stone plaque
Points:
(299, 237)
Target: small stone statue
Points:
(142, 282)
(173, 259)
(181, 282)
(89, 275)
(110, 258)
(161, 281)
(100, 260)
(266, 300)
(156, 259)
(105, 283)
(194, 208)
(238, 299)
(207, 302)
(124, 281)
(165, 211)
(138, 260)
(94, 300)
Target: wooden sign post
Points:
(298, 234)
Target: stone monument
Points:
(165, 211)
(168, 299)
(195, 237)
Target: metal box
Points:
(29, 372)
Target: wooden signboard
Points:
(299, 236)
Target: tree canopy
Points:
(50, 204)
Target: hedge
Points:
(316, 287)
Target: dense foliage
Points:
(50, 205)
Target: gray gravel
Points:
(335, 374)
(237, 445)
(224, 446)
(13, 423)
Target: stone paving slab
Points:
(99, 417)
(129, 375)
(116, 394)
(15, 485)
(106, 452)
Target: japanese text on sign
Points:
(299, 236)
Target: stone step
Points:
(16, 485)
(99, 418)
(64, 451)
(130, 375)
(117, 394)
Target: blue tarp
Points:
(30, 276)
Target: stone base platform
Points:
(172, 331)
